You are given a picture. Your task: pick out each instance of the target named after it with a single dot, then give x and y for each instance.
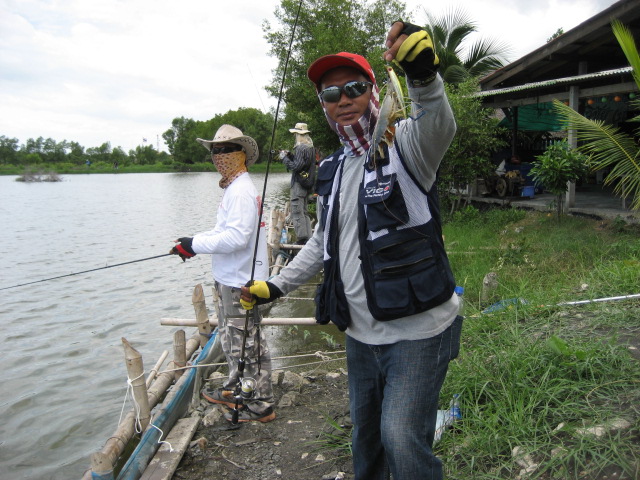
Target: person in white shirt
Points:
(231, 245)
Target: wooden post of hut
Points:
(179, 353)
(201, 315)
(135, 370)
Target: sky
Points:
(120, 71)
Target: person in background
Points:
(302, 164)
(231, 245)
(387, 280)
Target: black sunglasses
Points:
(351, 89)
(218, 150)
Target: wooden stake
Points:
(201, 315)
(116, 443)
(101, 466)
(179, 353)
(135, 370)
(216, 307)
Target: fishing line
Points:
(87, 271)
(241, 361)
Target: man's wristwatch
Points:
(423, 82)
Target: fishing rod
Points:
(245, 388)
(87, 271)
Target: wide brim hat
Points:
(231, 134)
(343, 59)
(300, 128)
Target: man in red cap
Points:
(387, 280)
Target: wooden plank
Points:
(165, 462)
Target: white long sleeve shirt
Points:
(231, 243)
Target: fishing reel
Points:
(247, 388)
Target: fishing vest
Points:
(404, 265)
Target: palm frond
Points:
(608, 147)
(628, 46)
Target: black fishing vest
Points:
(404, 265)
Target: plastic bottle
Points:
(283, 236)
(460, 292)
(455, 408)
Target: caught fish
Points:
(393, 108)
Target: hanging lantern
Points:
(632, 96)
(603, 99)
(617, 98)
(566, 102)
(591, 101)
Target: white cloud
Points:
(118, 71)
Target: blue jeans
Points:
(393, 395)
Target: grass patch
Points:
(532, 376)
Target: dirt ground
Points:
(283, 448)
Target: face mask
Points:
(356, 137)
(230, 166)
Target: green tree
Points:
(33, 146)
(477, 137)
(54, 152)
(449, 34)
(143, 155)
(180, 140)
(119, 157)
(556, 167)
(607, 145)
(76, 153)
(100, 154)
(8, 150)
(324, 27)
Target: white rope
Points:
(137, 424)
(160, 441)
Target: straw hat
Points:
(300, 128)
(231, 134)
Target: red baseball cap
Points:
(343, 59)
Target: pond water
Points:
(64, 379)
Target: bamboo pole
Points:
(273, 234)
(202, 317)
(190, 322)
(179, 353)
(101, 467)
(156, 368)
(135, 370)
(115, 445)
(216, 306)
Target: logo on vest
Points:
(378, 190)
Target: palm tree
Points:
(449, 32)
(607, 145)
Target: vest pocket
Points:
(406, 275)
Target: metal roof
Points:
(587, 56)
(558, 81)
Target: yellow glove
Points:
(258, 292)
(417, 55)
